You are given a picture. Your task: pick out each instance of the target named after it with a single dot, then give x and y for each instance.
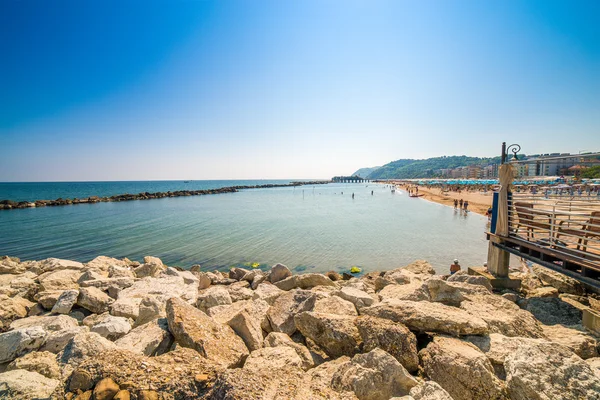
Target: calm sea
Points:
(308, 228)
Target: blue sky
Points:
(127, 90)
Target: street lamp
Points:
(515, 148)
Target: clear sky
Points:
(192, 89)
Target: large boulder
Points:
(279, 272)
(304, 281)
(65, 302)
(151, 308)
(54, 264)
(153, 267)
(60, 280)
(267, 292)
(104, 264)
(128, 301)
(392, 337)
(336, 334)
(112, 286)
(281, 314)
(442, 292)
(94, 300)
(274, 357)
(24, 385)
(111, 327)
(375, 375)
(47, 322)
(552, 311)
(561, 282)
(429, 391)
(423, 316)
(150, 339)
(18, 342)
(278, 339)
(420, 267)
(577, 340)
(461, 369)
(357, 297)
(42, 362)
(58, 340)
(213, 296)
(335, 305)
(11, 308)
(549, 371)
(82, 346)
(240, 291)
(248, 328)
(194, 329)
(413, 291)
(463, 276)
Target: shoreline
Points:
(14, 205)
(477, 200)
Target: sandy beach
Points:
(479, 202)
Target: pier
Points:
(349, 179)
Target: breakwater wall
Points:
(13, 205)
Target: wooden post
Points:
(498, 259)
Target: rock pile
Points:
(117, 329)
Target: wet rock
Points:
(194, 329)
(42, 362)
(549, 371)
(18, 342)
(22, 384)
(279, 272)
(357, 297)
(277, 339)
(111, 327)
(105, 389)
(335, 305)
(461, 369)
(304, 281)
(424, 316)
(150, 339)
(93, 299)
(281, 314)
(562, 283)
(336, 334)
(375, 375)
(65, 302)
(394, 338)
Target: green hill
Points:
(410, 169)
(364, 172)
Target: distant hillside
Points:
(410, 169)
(364, 172)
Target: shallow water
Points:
(307, 228)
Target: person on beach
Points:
(461, 203)
(488, 213)
(466, 205)
(455, 204)
(454, 267)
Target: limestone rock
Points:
(336, 334)
(26, 385)
(18, 342)
(546, 291)
(60, 280)
(552, 311)
(112, 286)
(204, 280)
(413, 291)
(122, 395)
(82, 346)
(267, 292)
(394, 338)
(549, 371)
(595, 364)
(65, 302)
(213, 296)
(151, 308)
(150, 339)
(194, 329)
(103, 264)
(279, 272)
(105, 389)
(55, 264)
(562, 283)
(440, 291)
(11, 308)
(335, 305)
(42, 362)
(240, 291)
(461, 369)
(237, 273)
(89, 276)
(424, 316)
(274, 357)
(277, 339)
(93, 299)
(248, 328)
(47, 322)
(115, 271)
(58, 340)
(420, 267)
(375, 375)
(281, 314)
(463, 276)
(129, 299)
(111, 327)
(304, 281)
(577, 340)
(429, 391)
(47, 298)
(357, 297)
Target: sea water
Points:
(308, 228)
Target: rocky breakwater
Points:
(13, 205)
(116, 329)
